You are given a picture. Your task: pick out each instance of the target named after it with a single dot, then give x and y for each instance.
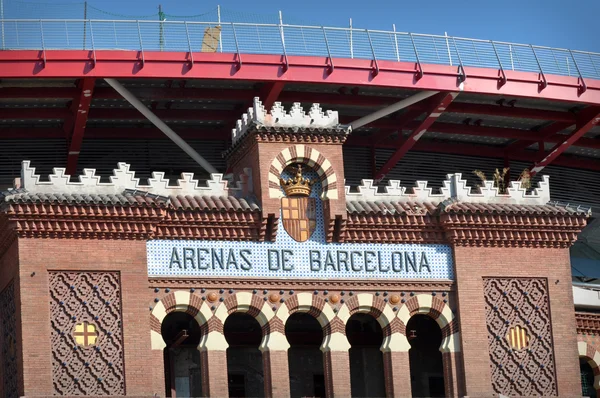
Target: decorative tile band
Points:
(288, 258)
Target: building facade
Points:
(278, 280)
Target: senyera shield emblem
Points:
(299, 216)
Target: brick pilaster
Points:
(453, 370)
(396, 367)
(337, 373)
(277, 373)
(214, 373)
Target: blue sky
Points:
(555, 23)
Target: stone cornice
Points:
(407, 286)
(405, 228)
(588, 323)
(97, 221)
(513, 230)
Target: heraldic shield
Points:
(299, 217)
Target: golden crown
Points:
(297, 185)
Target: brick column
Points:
(276, 373)
(396, 367)
(158, 372)
(336, 363)
(396, 363)
(453, 367)
(276, 370)
(213, 365)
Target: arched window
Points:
(305, 335)
(366, 359)
(426, 366)
(244, 360)
(182, 334)
(587, 379)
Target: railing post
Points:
(593, 65)
(141, 44)
(187, 35)
(544, 81)
(220, 31)
(376, 71)
(512, 64)
(93, 46)
(237, 47)
(331, 66)
(448, 47)
(503, 81)
(396, 43)
(420, 72)
(2, 18)
(583, 85)
(461, 69)
(43, 44)
(351, 42)
(285, 57)
(66, 34)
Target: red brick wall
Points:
(474, 263)
(128, 257)
(9, 263)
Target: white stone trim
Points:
(124, 179)
(296, 118)
(454, 187)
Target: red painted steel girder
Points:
(115, 133)
(489, 152)
(371, 101)
(74, 126)
(437, 105)
(588, 119)
(299, 69)
(544, 134)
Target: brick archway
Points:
(592, 355)
(439, 311)
(178, 301)
(312, 158)
(366, 303)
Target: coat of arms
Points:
(298, 211)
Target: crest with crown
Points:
(297, 185)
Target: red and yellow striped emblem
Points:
(517, 337)
(299, 217)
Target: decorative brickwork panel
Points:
(520, 336)
(9, 340)
(87, 335)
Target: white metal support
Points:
(392, 108)
(137, 104)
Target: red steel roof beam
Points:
(270, 93)
(542, 134)
(75, 126)
(438, 104)
(585, 121)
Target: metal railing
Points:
(286, 40)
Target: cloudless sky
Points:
(556, 23)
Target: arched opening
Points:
(366, 359)
(244, 360)
(587, 378)
(182, 334)
(426, 366)
(305, 335)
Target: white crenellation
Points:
(296, 118)
(454, 187)
(124, 179)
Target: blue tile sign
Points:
(287, 258)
